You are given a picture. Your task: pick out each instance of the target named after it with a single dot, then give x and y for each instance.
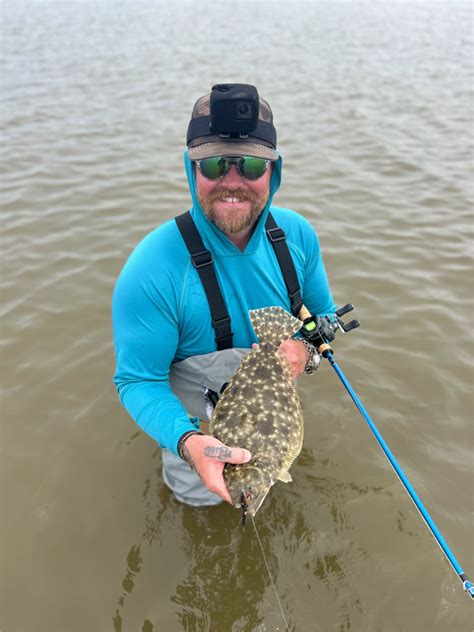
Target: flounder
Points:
(260, 410)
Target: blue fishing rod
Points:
(321, 331)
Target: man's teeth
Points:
(231, 199)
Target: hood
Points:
(214, 238)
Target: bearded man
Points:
(181, 303)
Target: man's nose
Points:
(232, 178)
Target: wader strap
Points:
(202, 260)
(276, 235)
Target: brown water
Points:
(373, 105)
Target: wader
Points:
(191, 381)
(199, 380)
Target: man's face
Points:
(233, 203)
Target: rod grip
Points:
(324, 349)
(304, 313)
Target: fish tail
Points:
(273, 325)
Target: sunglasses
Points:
(247, 166)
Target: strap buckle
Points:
(275, 234)
(201, 259)
(296, 302)
(222, 328)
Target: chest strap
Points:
(203, 261)
(276, 235)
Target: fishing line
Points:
(270, 575)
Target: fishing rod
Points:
(320, 332)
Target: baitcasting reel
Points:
(320, 331)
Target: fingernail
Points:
(247, 454)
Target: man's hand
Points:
(207, 455)
(296, 354)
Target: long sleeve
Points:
(316, 292)
(146, 337)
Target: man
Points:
(180, 306)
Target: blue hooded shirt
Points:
(161, 315)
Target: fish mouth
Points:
(248, 487)
(249, 504)
(244, 506)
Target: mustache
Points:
(241, 194)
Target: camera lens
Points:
(243, 110)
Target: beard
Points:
(236, 220)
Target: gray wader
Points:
(189, 381)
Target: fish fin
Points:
(295, 413)
(285, 477)
(273, 324)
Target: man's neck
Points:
(242, 238)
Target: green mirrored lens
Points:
(253, 168)
(248, 167)
(213, 168)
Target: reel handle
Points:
(350, 326)
(344, 310)
(320, 331)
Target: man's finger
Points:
(214, 481)
(226, 454)
(219, 452)
(222, 491)
(239, 455)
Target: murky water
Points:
(373, 105)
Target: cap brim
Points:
(231, 148)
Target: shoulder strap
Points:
(202, 260)
(276, 235)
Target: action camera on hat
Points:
(233, 120)
(234, 109)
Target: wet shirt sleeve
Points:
(146, 337)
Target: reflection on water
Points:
(157, 500)
(225, 583)
(226, 577)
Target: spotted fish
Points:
(260, 410)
